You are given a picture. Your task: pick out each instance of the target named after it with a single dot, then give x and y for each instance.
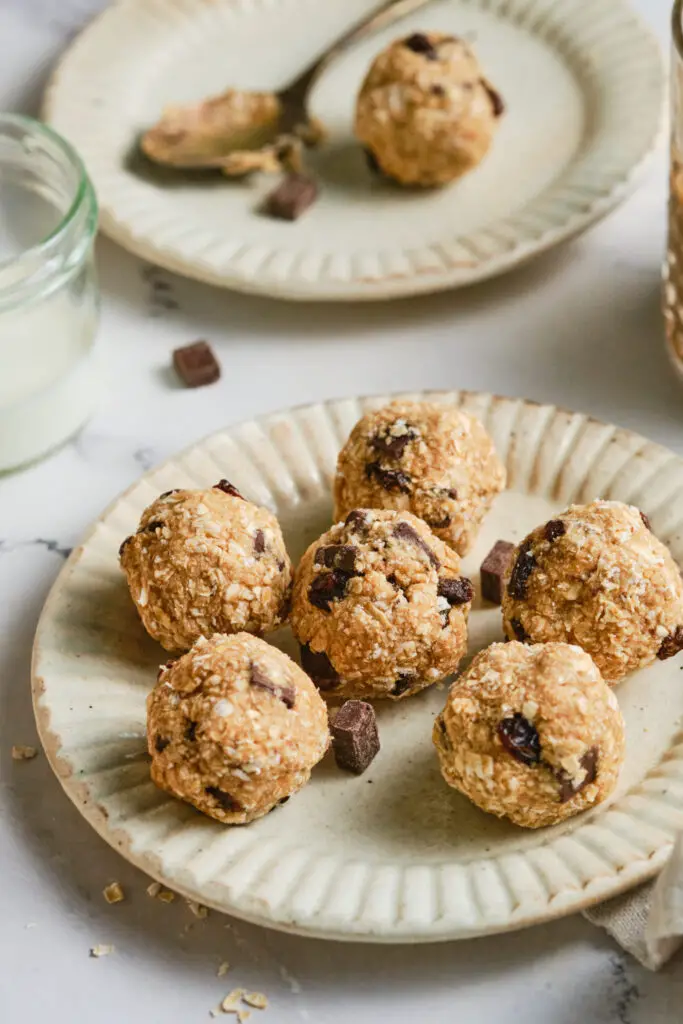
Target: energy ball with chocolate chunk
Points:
(425, 111)
(533, 734)
(430, 459)
(206, 562)
(597, 577)
(234, 727)
(380, 607)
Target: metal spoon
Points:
(241, 131)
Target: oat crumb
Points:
(113, 893)
(255, 999)
(223, 969)
(243, 1015)
(198, 909)
(101, 950)
(154, 889)
(231, 1002)
(23, 753)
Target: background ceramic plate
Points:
(583, 85)
(406, 858)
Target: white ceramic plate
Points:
(583, 84)
(404, 859)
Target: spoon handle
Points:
(385, 15)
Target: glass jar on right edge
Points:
(673, 267)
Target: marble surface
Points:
(581, 327)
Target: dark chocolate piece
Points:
(167, 494)
(357, 521)
(259, 679)
(124, 544)
(520, 738)
(328, 587)
(392, 447)
(524, 566)
(227, 802)
(392, 480)
(259, 542)
(519, 631)
(437, 90)
(191, 732)
(337, 556)
(493, 570)
(151, 527)
(456, 591)
(497, 101)
(160, 744)
(292, 197)
(319, 668)
(404, 531)
(405, 681)
(228, 488)
(671, 644)
(646, 521)
(355, 739)
(419, 43)
(196, 365)
(554, 529)
(589, 763)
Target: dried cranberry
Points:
(404, 531)
(228, 488)
(392, 480)
(319, 668)
(520, 738)
(554, 529)
(523, 568)
(646, 522)
(456, 591)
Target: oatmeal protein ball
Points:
(532, 734)
(433, 460)
(379, 607)
(425, 113)
(596, 576)
(234, 727)
(206, 562)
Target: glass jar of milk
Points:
(48, 292)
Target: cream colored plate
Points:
(583, 84)
(395, 855)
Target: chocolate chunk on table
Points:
(355, 739)
(196, 365)
(291, 198)
(493, 570)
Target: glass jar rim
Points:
(677, 26)
(72, 235)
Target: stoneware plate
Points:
(583, 84)
(395, 855)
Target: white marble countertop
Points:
(581, 327)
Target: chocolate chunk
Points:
(227, 802)
(228, 488)
(554, 529)
(497, 101)
(319, 668)
(519, 631)
(357, 521)
(671, 644)
(160, 744)
(392, 447)
(589, 763)
(191, 732)
(337, 556)
(355, 739)
(259, 542)
(291, 198)
(493, 570)
(419, 43)
(283, 801)
(438, 524)
(520, 738)
(524, 566)
(437, 90)
(405, 681)
(328, 587)
(445, 738)
(196, 365)
(259, 679)
(456, 591)
(124, 545)
(404, 531)
(151, 527)
(167, 494)
(646, 521)
(393, 579)
(392, 480)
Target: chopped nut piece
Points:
(198, 909)
(231, 1003)
(101, 950)
(255, 999)
(243, 1015)
(113, 893)
(223, 969)
(154, 889)
(22, 753)
(166, 896)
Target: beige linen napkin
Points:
(648, 921)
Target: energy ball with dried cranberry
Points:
(380, 607)
(425, 113)
(432, 460)
(234, 727)
(597, 576)
(206, 562)
(532, 734)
